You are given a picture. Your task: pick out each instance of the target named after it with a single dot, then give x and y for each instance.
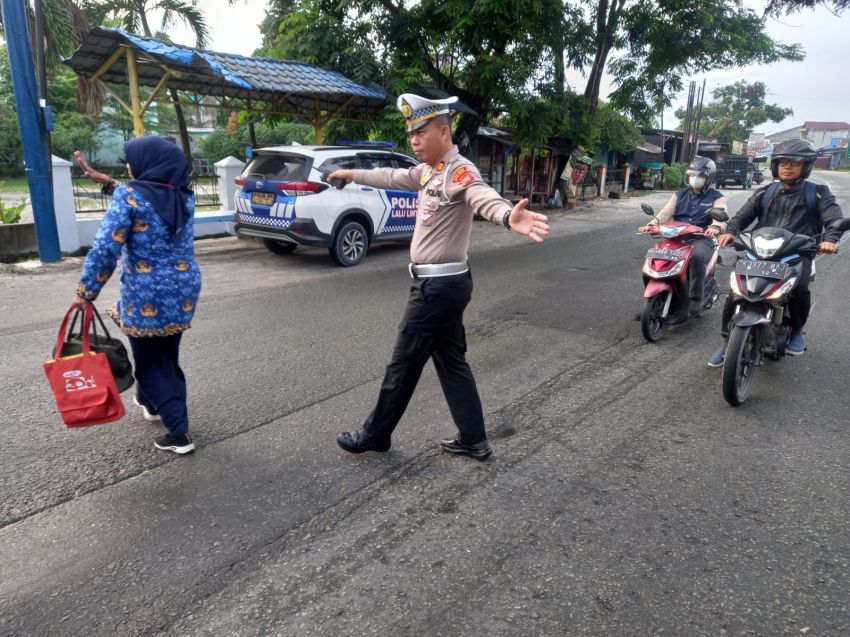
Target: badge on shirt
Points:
(463, 176)
(440, 165)
(425, 176)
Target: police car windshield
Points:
(279, 167)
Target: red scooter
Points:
(665, 275)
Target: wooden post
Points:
(601, 172)
(135, 100)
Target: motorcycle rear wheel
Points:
(651, 322)
(739, 365)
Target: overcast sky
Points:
(817, 89)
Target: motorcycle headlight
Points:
(733, 285)
(662, 274)
(765, 248)
(677, 268)
(782, 290)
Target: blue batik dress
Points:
(160, 280)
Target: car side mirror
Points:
(718, 214)
(647, 209)
(842, 225)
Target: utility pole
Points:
(32, 127)
(699, 118)
(685, 151)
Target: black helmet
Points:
(798, 150)
(702, 166)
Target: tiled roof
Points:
(826, 126)
(295, 85)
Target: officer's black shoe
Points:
(479, 451)
(359, 441)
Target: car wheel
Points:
(279, 247)
(350, 244)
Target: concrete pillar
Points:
(227, 170)
(601, 174)
(627, 171)
(63, 204)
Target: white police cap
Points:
(418, 110)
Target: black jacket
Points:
(789, 210)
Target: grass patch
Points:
(14, 184)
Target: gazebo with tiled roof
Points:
(265, 85)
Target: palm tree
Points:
(66, 23)
(133, 17)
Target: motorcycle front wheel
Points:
(739, 366)
(651, 322)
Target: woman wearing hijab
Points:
(149, 224)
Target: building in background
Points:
(819, 133)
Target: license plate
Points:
(766, 269)
(664, 253)
(262, 198)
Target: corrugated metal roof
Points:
(649, 148)
(293, 84)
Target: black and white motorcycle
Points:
(760, 286)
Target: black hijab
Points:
(161, 174)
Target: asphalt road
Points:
(625, 497)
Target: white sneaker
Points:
(148, 415)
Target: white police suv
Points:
(284, 199)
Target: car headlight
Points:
(765, 248)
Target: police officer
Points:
(691, 204)
(450, 192)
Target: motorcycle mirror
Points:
(647, 209)
(842, 225)
(718, 214)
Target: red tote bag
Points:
(83, 384)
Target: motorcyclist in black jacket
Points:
(788, 208)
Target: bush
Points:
(220, 144)
(674, 175)
(11, 214)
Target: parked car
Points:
(284, 199)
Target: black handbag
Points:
(116, 353)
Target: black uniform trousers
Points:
(432, 327)
(799, 303)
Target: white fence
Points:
(76, 231)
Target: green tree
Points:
(73, 131)
(778, 7)
(11, 151)
(736, 111)
(663, 41)
(508, 56)
(133, 16)
(490, 53)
